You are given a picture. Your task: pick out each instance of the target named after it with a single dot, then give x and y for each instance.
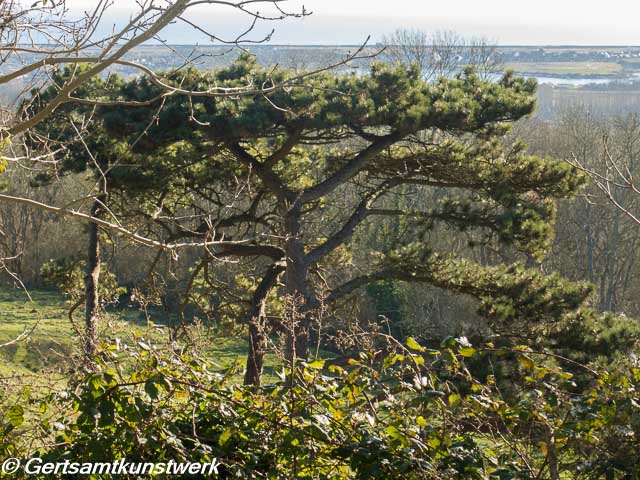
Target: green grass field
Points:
(568, 68)
(52, 340)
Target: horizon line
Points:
(378, 44)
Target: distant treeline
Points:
(600, 100)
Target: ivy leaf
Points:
(413, 345)
(467, 352)
(434, 442)
(317, 364)
(225, 436)
(392, 360)
(15, 414)
(526, 363)
(418, 359)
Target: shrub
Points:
(411, 413)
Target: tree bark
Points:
(92, 279)
(257, 328)
(611, 272)
(300, 302)
(255, 357)
(552, 454)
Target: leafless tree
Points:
(483, 54)
(616, 180)
(443, 53)
(596, 234)
(410, 46)
(613, 177)
(37, 37)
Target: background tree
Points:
(595, 240)
(65, 130)
(85, 150)
(443, 53)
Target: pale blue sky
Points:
(509, 22)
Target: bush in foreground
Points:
(409, 413)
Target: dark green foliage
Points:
(67, 275)
(387, 304)
(188, 144)
(507, 293)
(292, 172)
(600, 339)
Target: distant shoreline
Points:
(358, 45)
(339, 45)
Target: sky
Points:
(514, 22)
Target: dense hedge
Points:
(403, 412)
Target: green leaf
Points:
(95, 382)
(394, 433)
(15, 414)
(434, 442)
(543, 448)
(413, 345)
(151, 388)
(392, 360)
(225, 436)
(418, 359)
(317, 364)
(467, 352)
(449, 342)
(527, 363)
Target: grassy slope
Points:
(53, 338)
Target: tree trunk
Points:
(300, 302)
(590, 246)
(258, 328)
(92, 279)
(552, 455)
(612, 273)
(255, 357)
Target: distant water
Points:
(583, 81)
(571, 82)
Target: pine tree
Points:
(346, 143)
